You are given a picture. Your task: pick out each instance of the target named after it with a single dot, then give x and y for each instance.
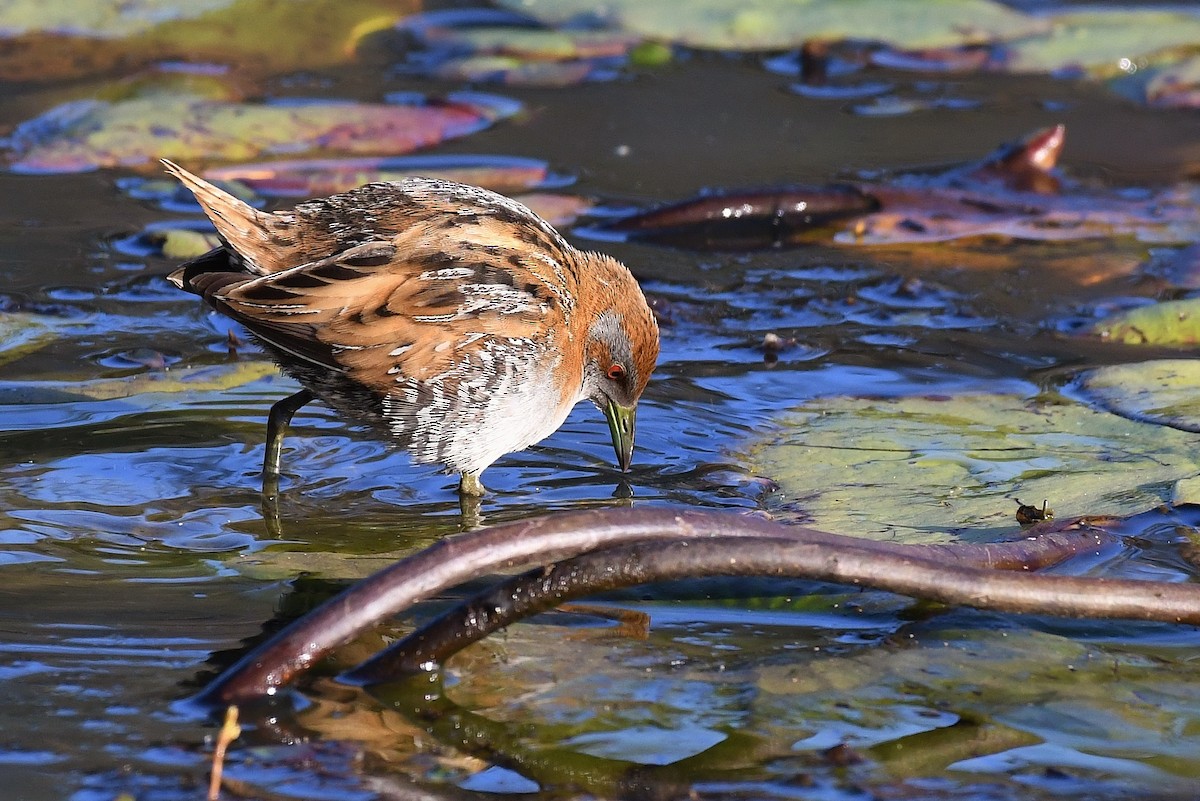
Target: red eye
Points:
(616, 372)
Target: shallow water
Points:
(135, 556)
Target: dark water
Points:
(134, 556)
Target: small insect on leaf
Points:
(1028, 515)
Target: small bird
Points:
(451, 319)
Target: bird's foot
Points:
(470, 485)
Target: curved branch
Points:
(297, 647)
(541, 541)
(963, 574)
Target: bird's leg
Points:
(470, 485)
(470, 490)
(277, 423)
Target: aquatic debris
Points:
(1014, 193)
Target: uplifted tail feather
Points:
(246, 230)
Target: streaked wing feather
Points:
(381, 319)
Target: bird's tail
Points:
(248, 232)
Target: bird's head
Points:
(620, 351)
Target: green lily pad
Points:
(86, 135)
(540, 43)
(181, 244)
(57, 39)
(22, 333)
(209, 378)
(1174, 322)
(1098, 41)
(277, 564)
(1162, 391)
(97, 18)
(779, 24)
(921, 469)
(493, 46)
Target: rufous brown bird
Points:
(451, 319)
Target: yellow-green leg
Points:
(470, 485)
(277, 423)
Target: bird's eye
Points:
(616, 372)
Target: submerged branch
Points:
(550, 539)
(965, 574)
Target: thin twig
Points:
(230, 731)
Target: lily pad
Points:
(209, 378)
(1104, 42)
(1173, 322)
(86, 135)
(1162, 391)
(181, 244)
(920, 469)
(61, 38)
(781, 24)
(97, 18)
(502, 47)
(22, 333)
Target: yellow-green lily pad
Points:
(1162, 391)
(920, 469)
(57, 39)
(1105, 42)
(1173, 322)
(181, 244)
(22, 333)
(97, 18)
(86, 135)
(780, 24)
(208, 378)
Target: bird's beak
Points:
(620, 425)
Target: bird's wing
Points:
(380, 317)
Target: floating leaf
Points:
(924, 468)
(210, 378)
(97, 18)
(172, 239)
(91, 134)
(63, 38)
(275, 565)
(781, 24)
(1162, 391)
(1173, 322)
(497, 46)
(22, 333)
(181, 244)
(1103, 42)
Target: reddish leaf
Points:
(92, 134)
